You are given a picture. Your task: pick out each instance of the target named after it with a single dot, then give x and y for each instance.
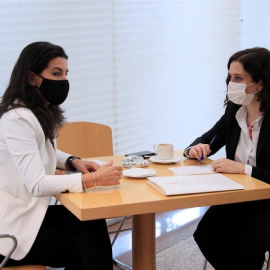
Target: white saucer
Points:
(138, 172)
(173, 160)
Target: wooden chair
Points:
(88, 139)
(13, 247)
(85, 139)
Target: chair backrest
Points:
(85, 139)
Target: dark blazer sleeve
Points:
(262, 169)
(228, 132)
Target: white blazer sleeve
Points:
(34, 158)
(61, 158)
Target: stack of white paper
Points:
(199, 169)
(175, 185)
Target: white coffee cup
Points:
(164, 151)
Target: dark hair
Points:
(35, 57)
(256, 62)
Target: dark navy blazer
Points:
(228, 132)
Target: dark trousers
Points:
(235, 236)
(65, 241)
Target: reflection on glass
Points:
(176, 219)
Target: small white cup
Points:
(164, 151)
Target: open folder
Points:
(176, 185)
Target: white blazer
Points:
(27, 180)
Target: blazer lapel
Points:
(264, 133)
(233, 131)
(233, 139)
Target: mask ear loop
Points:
(255, 91)
(258, 95)
(40, 76)
(32, 81)
(258, 91)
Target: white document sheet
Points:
(176, 185)
(200, 169)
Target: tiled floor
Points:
(166, 224)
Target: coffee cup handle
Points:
(155, 148)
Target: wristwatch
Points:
(69, 163)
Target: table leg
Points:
(143, 242)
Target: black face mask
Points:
(54, 91)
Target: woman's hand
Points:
(85, 166)
(224, 165)
(105, 175)
(199, 150)
(109, 174)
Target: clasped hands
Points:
(108, 173)
(222, 165)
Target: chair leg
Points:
(13, 238)
(119, 230)
(116, 261)
(268, 261)
(121, 264)
(204, 264)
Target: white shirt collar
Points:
(241, 117)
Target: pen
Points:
(210, 144)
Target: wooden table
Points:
(134, 197)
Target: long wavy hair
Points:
(256, 62)
(20, 93)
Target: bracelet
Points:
(99, 180)
(69, 163)
(94, 176)
(83, 182)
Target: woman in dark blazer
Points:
(236, 236)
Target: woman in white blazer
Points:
(29, 118)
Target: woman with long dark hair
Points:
(30, 116)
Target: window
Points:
(153, 70)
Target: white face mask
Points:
(237, 93)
